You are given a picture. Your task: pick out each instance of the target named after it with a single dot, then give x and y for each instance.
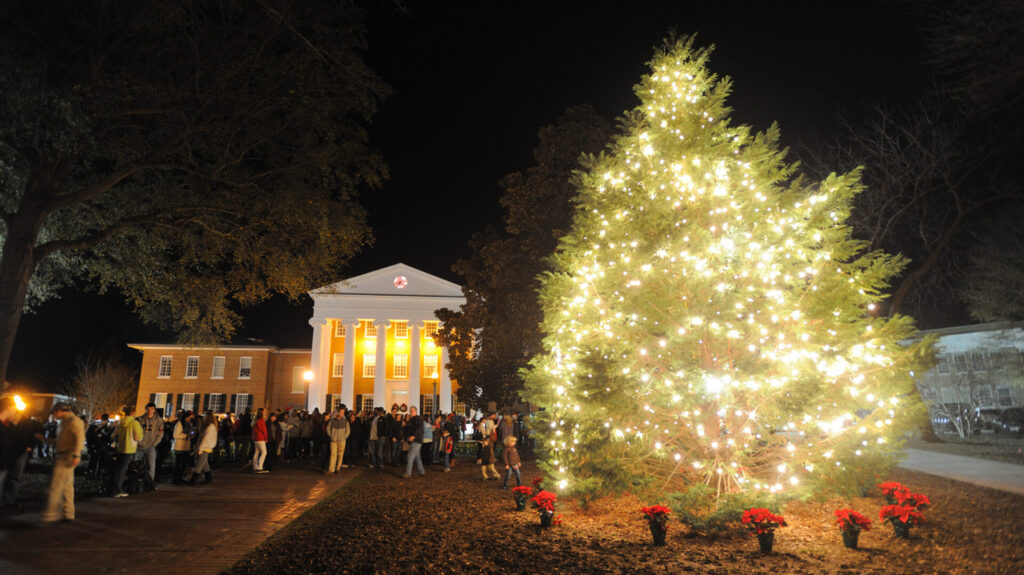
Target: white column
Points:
(318, 364)
(446, 383)
(380, 371)
(414, 364)
(348, 374)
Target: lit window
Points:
(401, 329)
(338, 368)
(364, 402)
(188, 401)
(429, 329)
(216, 403)
(218, 367)
(427, 404)
(401, 369)
(339, 328)
(243, 401)
(429, 365)
(370, 329)
(369, 364)
(165, 366)
(298, 382)
(459, 407)
(192, 367)
(244, 367)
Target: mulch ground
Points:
(457, 523)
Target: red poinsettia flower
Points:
(537, 481)
(915, 500)
(544, 501)
(654, 511)
(557, 520)
(850, 519)
(901, 513)
(522, 490)
(762, 520)
(891, 488)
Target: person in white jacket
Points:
(182, 445)
(207, 443)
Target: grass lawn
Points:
(455, 523)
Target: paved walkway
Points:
(178, 528)
(994, 474)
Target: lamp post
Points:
(435, 378)
(308, 377)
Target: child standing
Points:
(512, 463)
(447, 447)
(487, 463)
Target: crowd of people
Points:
(129, 452)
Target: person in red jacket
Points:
(259, 439)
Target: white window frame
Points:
(160, 401)
(336, 402)
(339, 329)
(401, 329)
(188, 401)
(241, 403)
(1004, 396)
(429, 329)
(400, 366)
(219, 398)
(960, 363)
(298, 382)
(165, 361)
(942, 365)
(245, 367)
(192, 367)
(985, 396)
(977, 360)
(432, 363)
(219, 361)
(338, 365)
(427, 403)
(367, 401)
(369, 328)
(949, 394)
(369, 364)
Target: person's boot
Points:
(192, 478)
(207, 478)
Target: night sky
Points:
(475, 81)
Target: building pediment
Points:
(396, 280)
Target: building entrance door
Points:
(396, 391)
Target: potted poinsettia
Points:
(902, 518)
(890, 489)
(544, 502)
(764, 523)
(851, 524)
(657, 520)
(521, 493)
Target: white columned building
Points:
(372, 341)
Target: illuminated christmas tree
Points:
(710, 319)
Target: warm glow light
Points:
(19, 403)
(307, 375)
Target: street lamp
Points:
(435, 377)
(308, 377)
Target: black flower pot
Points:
(520, 504)
(545, 520)
(901, 529)
(765, 541)
(850, 537)
(658, 532)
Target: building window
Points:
(192, 367)
(243, 401)
(948, 395)
(339, 328)
(338, 368)
(1004, 396)
(430, 365)
(370, 329)
(401, 367)
(960, 363)
(426, 404)
(978, 361)
(216, 403)
(218, 367)
(927, 393)
(401, 329)
(298, 382)
(188, 401)
(162, 403)
(459, 407)
(364, 402)
(244, 367)
(369, 364)
(984, 395)
(165, 366)
(429, 329)
(942, 365)
(335, 402)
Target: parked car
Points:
(986, 418)
(1012, 420)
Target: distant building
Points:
(384, 318)
(979, 370)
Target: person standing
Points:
(182, 446)
(207, 443)
(128, 435)
(377, 433)
(259, 439)
(152, 433)
(510, 455)
(414, 434)
(394, 436)
(337, 432)
(24, 443)
(68, 450)
(8, 440)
